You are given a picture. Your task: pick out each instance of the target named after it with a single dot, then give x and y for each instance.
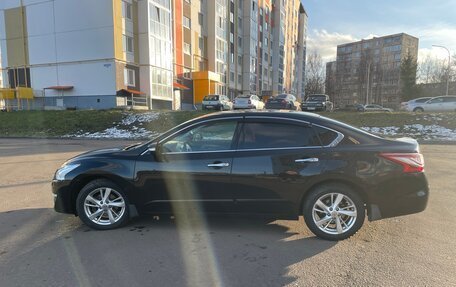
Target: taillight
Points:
(284, 101)
(411, 162)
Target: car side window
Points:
(326, 136)
(436, 101)
(450, 99)
(215, 136)
(260, 135)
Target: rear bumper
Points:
(307, 108)
(275, 107)
(62, 196)
(212, 107)
(244, 107)
(395, 199)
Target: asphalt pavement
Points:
(39, 247)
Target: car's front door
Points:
(274, 162)
(190, 170)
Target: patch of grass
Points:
(397, 119)
(55, 123)
(60, 123)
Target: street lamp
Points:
(449, 60)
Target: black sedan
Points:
(282, 102)
(280, 163)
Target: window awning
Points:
(59, 88)
(130, 91)
(180, 86)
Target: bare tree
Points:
(433, 70)
(315, 74)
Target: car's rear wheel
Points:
(101, 204)
(333, 212)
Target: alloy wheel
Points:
(334, 213)
(104, 206)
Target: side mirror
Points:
(157, 152)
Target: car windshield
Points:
(211, 98)
(317, 98)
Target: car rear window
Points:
(276, 135)
(211, 98)
(281, 96)
(326, 136)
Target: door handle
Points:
(221, 164)
(311, 159)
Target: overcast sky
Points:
(334, 22)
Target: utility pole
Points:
(449, 66)
(367, 86)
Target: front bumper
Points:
(312, 108)
(63, 201)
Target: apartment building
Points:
(368, 71)
(89, 54)
(235, 47)
(150, 54)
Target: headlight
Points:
(64, 170)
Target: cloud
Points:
(325, 43)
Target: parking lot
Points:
(39, 247)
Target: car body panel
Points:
(242, 102)
(254, 180)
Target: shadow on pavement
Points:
(42, 248)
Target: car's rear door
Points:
(191, 169)
(274, 161)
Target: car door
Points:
(275, 159)
(190, 169)
(449, 104)
(434, 105)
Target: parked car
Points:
(410, 105)
(248, 102)
(217, 102)
(317, 103)
(376, 108)
(283, 164)
(437, 104)
(351, 108)
(283, 102)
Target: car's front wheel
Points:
(418, 110)
(101, 204)
(333, 212)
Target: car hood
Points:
(108, 152)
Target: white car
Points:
(217, 102)
(410, 105)
(437, 104)
(248, 102)
(376, 108)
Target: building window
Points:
(129, 77)
(128, 44)
(200, 19)
(187, 73)
(187, 48)
(127, 12)
(201, 44)
(186, 22)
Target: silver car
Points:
(376, 108)
(437, 104)
(248, 102)
(217, 102)
(410, 105)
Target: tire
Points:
(418, 110)
(221, 108)
(349, 223)
(105, 216)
